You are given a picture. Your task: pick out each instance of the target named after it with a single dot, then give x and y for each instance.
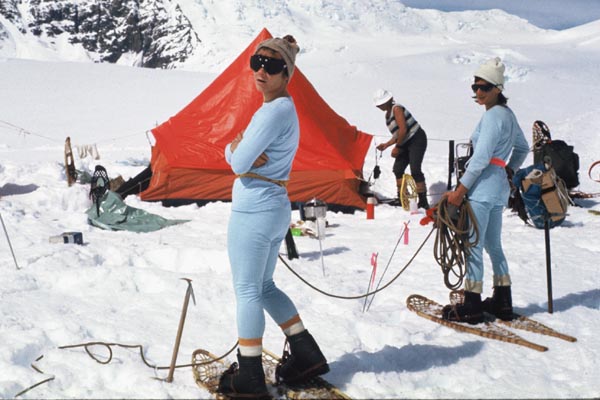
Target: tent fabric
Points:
(115, 215)
(188, 159)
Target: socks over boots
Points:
(422, 193)
(471, 310)
(246, 379)
(305, 360)
(500, 304)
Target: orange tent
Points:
(188, 161)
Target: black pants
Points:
(412, 152)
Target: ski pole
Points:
(388, 263)
(188, 293)
(548, 265)
(322, 261)
(8, 240)
(450, 163)
(321, 234)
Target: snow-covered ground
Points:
(125, 287)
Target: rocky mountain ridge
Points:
(147, 33)
(208, 34)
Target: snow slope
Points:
(126, 288)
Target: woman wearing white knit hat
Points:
(496, 140)
(409, 141)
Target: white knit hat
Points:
(493, 72)
(381, 96)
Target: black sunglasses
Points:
(484, 88)
(272, 66)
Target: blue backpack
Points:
(544, 194)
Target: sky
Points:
(547, 14)
(127, 288)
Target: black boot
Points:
(423, 203)
(470, 310)
(305, 361)
(500, 304)
(246, 379)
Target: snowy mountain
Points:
(169, 33)
(146, 33)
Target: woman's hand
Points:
(395, 152)
(382, 146)
(456, 197)
(261, 160)
(236, 141)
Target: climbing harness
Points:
(282, 183)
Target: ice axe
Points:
(188, 293)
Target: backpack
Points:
(562, 158)
(544, 194)
(99, 185)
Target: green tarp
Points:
(115, 215)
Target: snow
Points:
(124, 287)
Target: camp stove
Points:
(314, 215)
(315, 209)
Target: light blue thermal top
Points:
(274, 130)
(497, 135)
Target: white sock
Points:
(251, 351)
(294, 329)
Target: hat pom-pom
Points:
(292, 42)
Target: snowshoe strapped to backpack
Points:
(562, 158)
(555, 153)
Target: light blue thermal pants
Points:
(253, 242)
(489, 223)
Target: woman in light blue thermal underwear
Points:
(499, 147)
(262, 159)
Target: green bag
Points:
(113, 214)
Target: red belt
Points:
(498, 161)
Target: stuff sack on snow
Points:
(113, 214)
(544, 194)
(562, 158)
